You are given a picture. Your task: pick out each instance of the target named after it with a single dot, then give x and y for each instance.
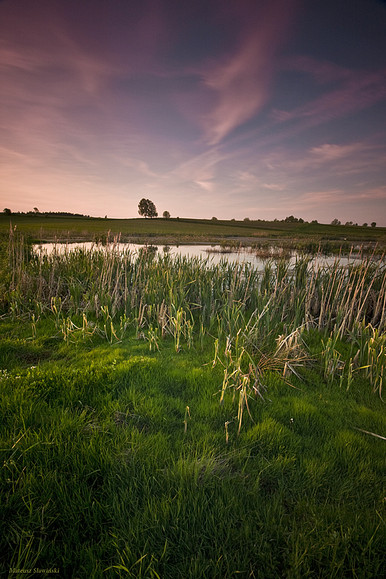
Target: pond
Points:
(214, 254)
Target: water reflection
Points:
(214, 254)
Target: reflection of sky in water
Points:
(212, 253)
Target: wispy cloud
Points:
(331, 152)
(317, 198)
(241, 87)
(343, 158)
(273, 186)
(323, 71)
(242, 82)
(340, 197)
(206, 185)
(372, 193)
(200, 169)
(139, 165)
(358, 92)
(344, 92)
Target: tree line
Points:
(146, 208)
(7, 211)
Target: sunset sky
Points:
(226, 108)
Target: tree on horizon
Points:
(146, 208)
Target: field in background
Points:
(48, 228)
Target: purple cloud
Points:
(353, 91)
(241, 83)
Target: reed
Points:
(254, 317)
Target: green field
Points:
(42, 227)
(166, 417)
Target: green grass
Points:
(99, 472)
(49, 227)
(170, 418)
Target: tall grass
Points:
(255, 318)
(152, 289)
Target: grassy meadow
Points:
(49, 227)
(166, 417)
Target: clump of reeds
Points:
(246, 364)
(272, 252)
(86, 281)
(335, 297)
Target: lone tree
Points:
(166, 215)
(146, 208)
(7, 211)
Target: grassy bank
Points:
(170, 418)
(43, 228)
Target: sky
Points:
(225, 108)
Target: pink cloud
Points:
(339, 196)
(138, 165)
(359, 92)
(322, 71)
(356, 90)
(200, 169)
(280, 115)
(248, 178)
(329, 152)
(242, 82)
(373, 193)
(273, 186)
(241, 91)
(345, 159)
(317, 198)
(208, 186)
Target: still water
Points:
(214, 254)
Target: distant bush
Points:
(292, 219)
